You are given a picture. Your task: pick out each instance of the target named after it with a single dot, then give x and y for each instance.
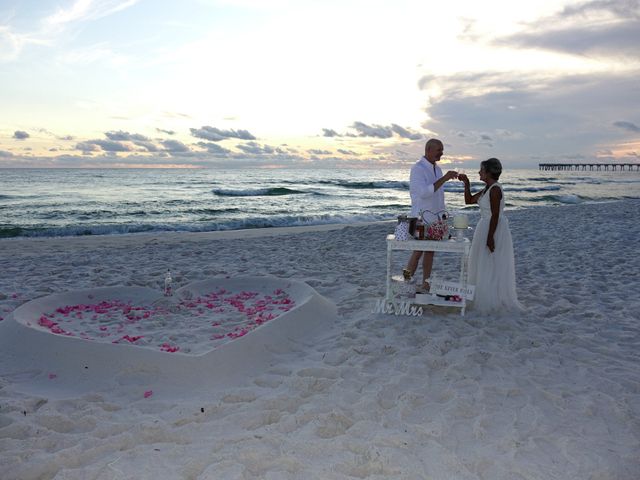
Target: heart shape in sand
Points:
(198, 318)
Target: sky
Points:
(317, 83)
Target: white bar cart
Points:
(394, 284)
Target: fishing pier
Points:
(590, 166)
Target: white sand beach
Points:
(338, 392)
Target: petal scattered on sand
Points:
(214, 318)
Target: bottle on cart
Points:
(168, 288)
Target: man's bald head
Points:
(433, 150)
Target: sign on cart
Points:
(450, 288)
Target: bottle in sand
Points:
(168, 291)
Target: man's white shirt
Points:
(423, 197)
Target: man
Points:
(426, 186)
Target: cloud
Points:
(347, 152)
(168, 132)
(215, 134)
(594, 28)
(175, 146)
(214, 148)
(20, 135)
(118, 141)
(546, 115)
(623, 40)
(632, 127)
(87, 147)
(13, 42)
(135, 138)
(613, 8)
(178, 115)
(5, 154)
(374, 131)
(104, 160)
(527, 115)
(10, 43)
(83, 10)
(45, 131)
(121, 136)
(315, 151)
(405, 133)
(104, 145)
(52, 134)
(110, 146)
(148, 146)
(256, 149)
(472, 137)
(242, 160)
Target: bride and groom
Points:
(491, 262)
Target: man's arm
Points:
(450, 175)
(422, 188)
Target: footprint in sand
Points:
(333, 425)
(268, 381)
(240, 397)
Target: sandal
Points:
(424, 288)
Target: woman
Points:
(491, 263)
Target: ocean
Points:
(69, 202)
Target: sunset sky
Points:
(326, 83)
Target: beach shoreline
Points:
(551, 393)
(181, 236)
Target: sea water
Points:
(63, 202)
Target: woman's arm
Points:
(495, 195)
(468, 198)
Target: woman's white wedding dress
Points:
(493, 274)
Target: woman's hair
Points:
(493, 167)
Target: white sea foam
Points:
(571, 199)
